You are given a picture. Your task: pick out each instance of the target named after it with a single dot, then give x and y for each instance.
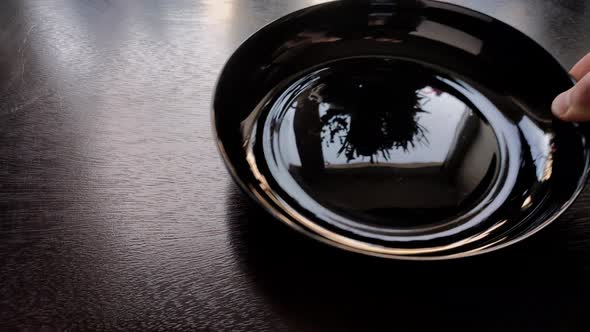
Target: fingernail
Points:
(576, 113)
(561, 104)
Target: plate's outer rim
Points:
(275, 212)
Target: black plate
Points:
(403, 129)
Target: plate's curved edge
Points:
(280, 216)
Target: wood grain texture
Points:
(116, 212)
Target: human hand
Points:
(574, 104)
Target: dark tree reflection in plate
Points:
(410, 134)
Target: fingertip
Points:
(579, 101)
(574, 104)
(560, 104)
(581, 68)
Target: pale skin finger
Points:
(581, 68)
(574, 104)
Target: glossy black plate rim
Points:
(354, 245)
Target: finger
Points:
(581, 68)
(574, 104)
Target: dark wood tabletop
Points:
(116, 212)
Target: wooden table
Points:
(117, 213)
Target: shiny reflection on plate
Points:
(399, 131)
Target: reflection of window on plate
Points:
(438, 109)
(457, 163)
